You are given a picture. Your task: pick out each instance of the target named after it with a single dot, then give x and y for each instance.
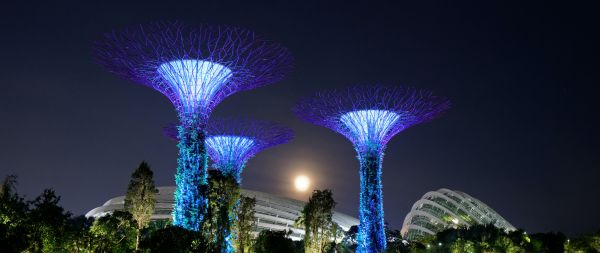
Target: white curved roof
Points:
(444, 208)
(272, 212)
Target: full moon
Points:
(301, 183)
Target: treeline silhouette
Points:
(42, 225)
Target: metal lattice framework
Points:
(196, 68)
(369, 116)
(443, 209)
(232, 142)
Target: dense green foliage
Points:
(244, 224)
(274, 241)
(141, 198)
(174, 239)
(113, 233)
(223, 196)
(487, 238)
(584, 244)
(42, 225)
(316, 218)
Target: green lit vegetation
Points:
(42, 225)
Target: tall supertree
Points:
(230, 144)
(196, 68)
(369, 116)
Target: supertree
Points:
(196, 68)
(369, 116)
(230, 144)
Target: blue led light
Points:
(369, 127)
(230, 153)
(190, 203)
(369, 130)
(194, 82)
(369, 116)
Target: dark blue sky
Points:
(521, 136)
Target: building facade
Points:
(271, 212)
(443, 209)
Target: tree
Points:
(585, 243)
(478, 238)
(48, 223)
(141, 198)
(274, 241)
(13, 217)
(78, 237)
(316, 217)
(548, 242)
(244, 224)
(223, 195)
(394, 240)
(113, 233)
(174, 239)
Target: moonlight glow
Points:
(301, 183)
(369, 116)
(196, 67)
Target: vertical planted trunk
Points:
(227, 216)
(371, 236)
(223, 195)
(191, 177)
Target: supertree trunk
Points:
(229, 233)
(223, 196)
(191, 177)
(371, 229)
(227, 216)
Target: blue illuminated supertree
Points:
(196, 68)
(230, 144)
(369, 117)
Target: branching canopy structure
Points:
(369, 116)
(230, 144)
(196, 68)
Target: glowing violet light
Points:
(369, 116)
(196, 82)
(196, 68)
(230, 144)
(229, 153)
(369, 127)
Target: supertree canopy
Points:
(196, 68)
(369, 116)
(230, 144)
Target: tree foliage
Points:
(141, 197)
(589, 243)
(274, 241)
(316, 218)
(244, 224)
(223, 196)
(174, 239)
(13, 217)
(42, 225)
(115, 232)
(48, 223)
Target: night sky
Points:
(522, 135)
